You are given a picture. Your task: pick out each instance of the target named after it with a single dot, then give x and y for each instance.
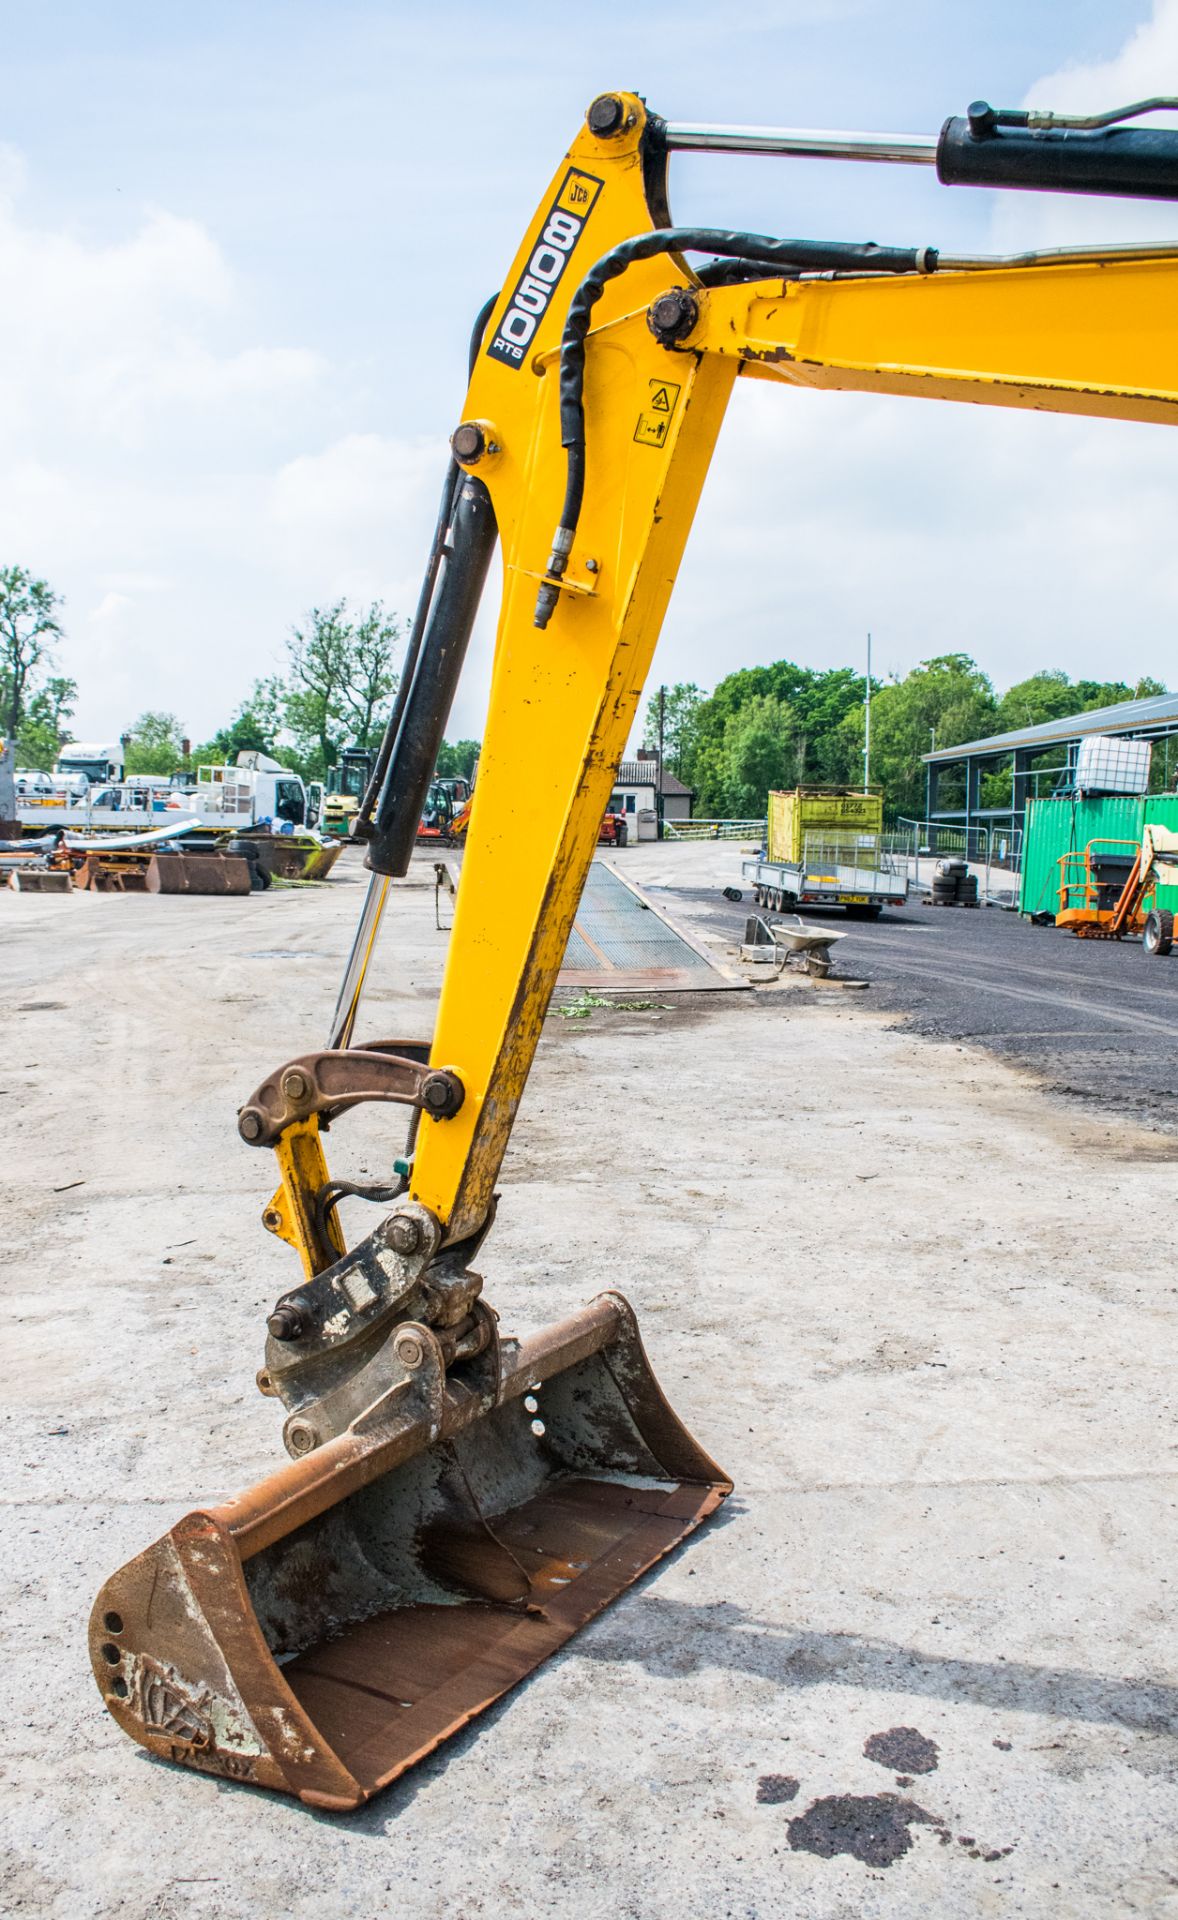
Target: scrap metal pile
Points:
(159, 862)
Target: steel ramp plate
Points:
(621, 942)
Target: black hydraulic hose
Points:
(362, 825)
(734, 273)
(769, 255)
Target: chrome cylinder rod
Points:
(348, 1005)
(796, 143)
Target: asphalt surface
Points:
(1093, 1019)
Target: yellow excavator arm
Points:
(435, 1461)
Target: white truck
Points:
(254, 792)
(88, 763)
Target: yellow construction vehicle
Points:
(458, 1502)
(344, 788)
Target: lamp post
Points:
(867, 724)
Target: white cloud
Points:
(180, 483)
(1025, 539)
(1146, 66)
(193, 476)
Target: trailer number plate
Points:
(854, 899)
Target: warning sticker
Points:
(654, 422)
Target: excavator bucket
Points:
(198, 873)
(329, 1628)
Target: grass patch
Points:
(587, 1002)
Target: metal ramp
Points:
(621, 941)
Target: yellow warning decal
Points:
(654, 422)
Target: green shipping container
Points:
(819, 810)
(1067, 824)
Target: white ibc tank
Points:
(1106, 763)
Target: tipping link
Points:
(327, 1083)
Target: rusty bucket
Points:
(203, 872)
(326, 1630)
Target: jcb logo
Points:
(534, 289)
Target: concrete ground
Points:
(923, 1663)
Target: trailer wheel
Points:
(1158, 937)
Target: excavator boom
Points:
(457, 1502)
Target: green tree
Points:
(370, 677)
(340, 679)
(1047, 695)
(1051, 695)
(672, 712)
(254, 727)
(456, 761)
(45, 723)
(154, 744)
(761, 752)
(318, 656)
(817, 749)
(950, 694)
(28, 629)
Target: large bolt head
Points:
(672, 316)
(403, 1233)
(408, 1349)
(606, 116)
(469, 442)
(437, 1093)
(295, 1085)
(249, 1126)
(286, 1322)
(301, 1436)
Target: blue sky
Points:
(247, 267)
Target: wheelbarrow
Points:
(778, 942)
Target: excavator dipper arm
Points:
(459, 1502)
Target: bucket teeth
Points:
(324, 1631)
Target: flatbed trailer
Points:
(863, 891)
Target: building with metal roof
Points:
(1153, 719)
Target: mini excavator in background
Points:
(457, 1503)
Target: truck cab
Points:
(83, 764)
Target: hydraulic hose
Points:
(752, 250)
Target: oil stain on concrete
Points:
(874, 1828)
(775, 1788)
(902, 1750)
